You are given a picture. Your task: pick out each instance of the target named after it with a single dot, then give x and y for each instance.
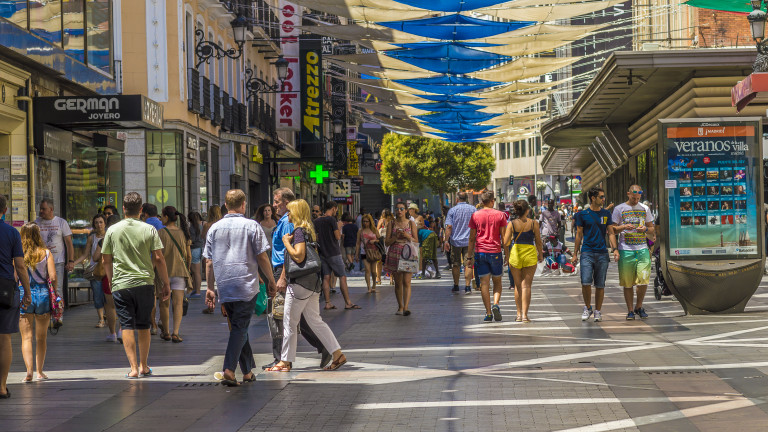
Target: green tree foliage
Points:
(410, 163)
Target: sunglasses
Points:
(637, 192)
(601, 196)
(401, 209)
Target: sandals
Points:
(165, 336)
(333, 306)
(176, 338)
(101, 324)
(279, 369)
(251, 379)
(354, 306)
(339, 362)
(230, 382)
(519, 319)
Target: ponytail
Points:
(173, 215)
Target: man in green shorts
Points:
(633, 223)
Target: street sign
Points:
(351, 133)
(342, 188)
(319, 174)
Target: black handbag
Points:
(311, 264)
(8, 288)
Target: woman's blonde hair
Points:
(300, 217)
(369, 218)
(32, 244)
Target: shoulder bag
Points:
(8, 288)
(310, 265)
(187, 281)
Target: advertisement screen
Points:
(711, 178)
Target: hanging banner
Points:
(288, 105)
(711, 174)
(339, 113)
(353, 167)
(311, 68)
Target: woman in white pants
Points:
(302, 295)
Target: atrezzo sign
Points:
(311, 90)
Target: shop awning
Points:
(99, 112)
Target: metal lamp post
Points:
(255, 85)
(757, 20)
(204, 49)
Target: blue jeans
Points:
(98, 294)
(594, 267)
(239, 314)
(486, 263)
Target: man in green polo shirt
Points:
(131, 250)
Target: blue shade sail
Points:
(449, 98)
(428, 44)
(463, 137)
(446, 106)
(456, 117)
(448, 58)
(455, 27)
(463, 128)
(448, 85)
(451, 5)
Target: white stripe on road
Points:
(541, 402)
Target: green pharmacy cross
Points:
(319, 174)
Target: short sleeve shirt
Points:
(284, 226)
(10, 248)
(131, 243)
(550, 221)
(350, 234)
(594, 225)
(53, 232)
(326, 239)
(458, 218)
(233, 245)
(488, 223)
(636, 215)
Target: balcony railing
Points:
(205, 89)
(216, 97)
(193, 91)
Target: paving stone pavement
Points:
(440, 369)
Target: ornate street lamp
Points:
(757, 25)
(338, 125)
(204, 49)
(255, 85)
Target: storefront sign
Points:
(351, 133)
(311, 66)
(357, 184)
(289, 106)
(290, 169)
(339, 114)
(104, 112)
(256, 155)
(715, 209)
(192, 142)
(57, 144)
(353, 167)
(343, 200)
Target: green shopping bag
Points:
(261, 300)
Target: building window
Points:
(99, 34)
(165, 169)
(517, 149)
(74, 29)
(538, 146)
(45, 20)
(214, 173)
(502, 151)
(522, 148)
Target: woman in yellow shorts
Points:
(526, 252)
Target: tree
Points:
(410, 163)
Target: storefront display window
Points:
(203, 179)
(165, 169)
(48, 183)
(215, 182)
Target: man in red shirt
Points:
(486, 229)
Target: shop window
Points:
(74, 29)
(45, 20)
(203, 178)
(165, 169)
(99, 34)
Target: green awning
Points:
(722, 5)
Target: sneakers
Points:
(587, 313)
(496, 312)
(641, 313)
(455, 289)
(112, 338)
(630, 316)
(467, 290)
(598, 316)
(488, 318)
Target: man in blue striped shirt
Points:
(457, 240)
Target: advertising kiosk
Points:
(711, 214)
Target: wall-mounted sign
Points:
(288, 104)
(351, 133)
(99, 112)
(353, 167)
(192, 142)
(311, 69)
(342, 188)
(357, 184)
(319, 174)
(715, 210)
(256, 155)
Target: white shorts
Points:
(178, 283)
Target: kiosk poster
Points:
(712, 170)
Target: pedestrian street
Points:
(441, 369)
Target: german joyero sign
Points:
(122, 111)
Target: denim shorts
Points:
(594, 267)
(41, 301)
(197, 255)
(492, 263)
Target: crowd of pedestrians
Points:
(143, 267)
